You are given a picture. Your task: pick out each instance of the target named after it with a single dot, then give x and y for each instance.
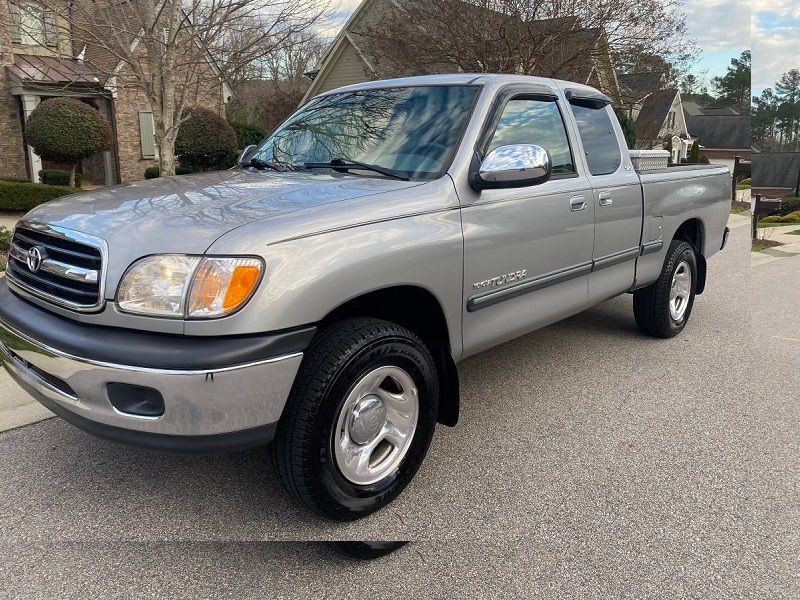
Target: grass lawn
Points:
(739, 207)
(795, 232)
(758, 247)
(762, 225)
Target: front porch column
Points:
(28, 104)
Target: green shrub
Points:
(771, 219)
(248, 135)
(155, 172)
(5, 239)
(16, 196)
(66, 130)
(790, 204)
(704, 160)
(54, 177)
(16, 179)
(206, 142)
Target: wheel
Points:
(368, 550)
(359, 420)
(663, 308)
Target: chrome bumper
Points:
(196, 403)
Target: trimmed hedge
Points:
(206, 142)
(66, 130)
(55, 177)
(789, 204)
(791, 218)
(16, 196)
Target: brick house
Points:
(39, 60)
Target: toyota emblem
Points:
(35, 258)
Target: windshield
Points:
(410, 131)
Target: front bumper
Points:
(218, 407)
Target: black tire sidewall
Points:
(683, 253)
(395, 351)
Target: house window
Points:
(33, 25)
(147, 134)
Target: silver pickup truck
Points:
(320, 295)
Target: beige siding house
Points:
(355, 55)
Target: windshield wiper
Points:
(259, 164)
(340, 163)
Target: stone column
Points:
(28, 104)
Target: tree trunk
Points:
(166, 159)
(72, 175)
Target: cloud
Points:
(719, 24)
(776, 43)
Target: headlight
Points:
(188, 286)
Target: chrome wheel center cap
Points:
(367, 419)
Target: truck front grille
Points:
(58, 266)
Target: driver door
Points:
(527, 251)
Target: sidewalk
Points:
(782, 234)
(9, 220)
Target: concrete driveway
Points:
(589, 461)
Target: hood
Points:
(187, 214)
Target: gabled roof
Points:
(692, 108)
(729, 132)
(634, 87)
(654, 112)
(775, 169)
(568, 61)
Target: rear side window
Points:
(534, 121)
(599, 140)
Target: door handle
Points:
(606, 199)
(577, 203)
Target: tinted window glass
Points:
(599, 140)
(411, 130)
(528, 121)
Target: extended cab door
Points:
(527, 251)
(617, 196)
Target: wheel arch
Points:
(692, 231)
(417, 309)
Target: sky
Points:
(776, 41)
(721, 29)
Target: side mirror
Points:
(513, 166)
(246, 155)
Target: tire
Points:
(317, 429)
(652, 305)
(368, 550)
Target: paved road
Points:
(589, 461)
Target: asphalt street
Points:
(589, 461)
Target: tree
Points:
(694, 153)
(628, 128)
(733, 88)
(276, 85)
(776, 115)
(535, 37)
(66, 130)
(205, 141)
(177, 52)
(689, 84)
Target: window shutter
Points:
(16, 35)
(147, 133)
(50, 29)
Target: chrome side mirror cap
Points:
(513, 166)
(246, 155)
